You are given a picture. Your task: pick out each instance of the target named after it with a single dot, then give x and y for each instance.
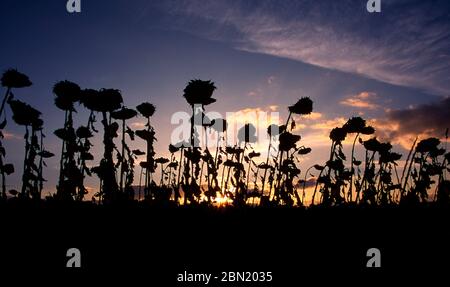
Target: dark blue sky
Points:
(260, 54)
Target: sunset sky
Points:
(392, 68)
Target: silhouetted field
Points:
(229, 175)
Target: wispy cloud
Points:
(11, 136)
(403, 46)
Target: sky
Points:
(392, 68)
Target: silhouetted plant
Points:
(387, 169)
(181, 146)
(367, 184)
(197, 93)
(287, 168)
(254, 193)
(442, 194)
(320, 169)
(273, 131)
(173, 166)
(89, 99)
(105, 102)
(205, 123)
(27, 116)
(43, 154)
(220, 126)
(162, 161)
(358, 126)
(423, 167)
(10, 79)
(149, 165)
(5, 169)
(70, 176)
(192, 191)
(211, 191)
(211, 162)
(304, 106)
(84, 144)
(234, 163)
(126, 160)
(378, 186)
(162, 193)
(334, 179)
(247, 136)
(147, 110)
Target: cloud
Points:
(400, 126)
(273, 108)
(252, 94)
(363, 100)
(404, 45)
(313, 116)
(316, 130)
(307, 121)
(10, 136)
(138, 125)
(426, 120)
(329, 124)
(260, 117)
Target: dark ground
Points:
(149, 245)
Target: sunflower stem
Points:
(8, 90)
(351, 168)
